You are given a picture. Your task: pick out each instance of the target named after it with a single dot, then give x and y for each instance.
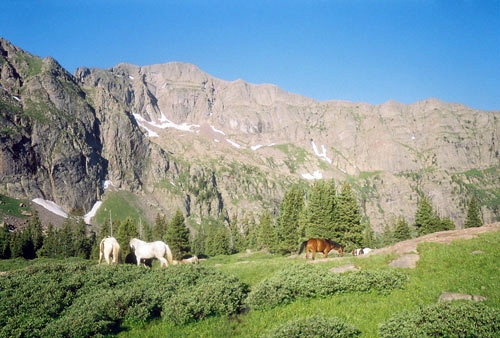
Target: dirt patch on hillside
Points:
(407, 250)
(410, 246)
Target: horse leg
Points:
(325, 253)
(163, 261)
(100, 257)
(138, 260)
(313, 254)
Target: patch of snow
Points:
(92, 212)
(165, 124)
(216, 140)
(130, 77)
(16, 98)
(260, 146)
(150, 132)
(217, 130)
(234, 144)
(317, 175)
(51, 206)
(321, 155)
(106, 184)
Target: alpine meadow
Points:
(160, 201)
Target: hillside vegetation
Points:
(220, 297)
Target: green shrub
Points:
(308, 281)
(448, 319)
(83, 299)
(212, 295)
(314, 327)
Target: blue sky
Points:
(362, 51)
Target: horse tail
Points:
(118, 253)
(101, 250)
(170, 258)
(302, 247)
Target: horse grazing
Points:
(147, 250)
(190, 260)
(357, 252)
(109, 247)
(320, 244)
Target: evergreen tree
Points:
(160, 227)
(50, 247)
(237, 240)
(16, 245)
(250, 231)
(318, 216)
(288, 224)
(35, 229)
(199, 240)
(147, 232)
(369, 239)
(348, 229)
(177, 236)
(387, 237)
(4, 242)
(126, 230)
(446, 224)
(105, 229)
(217, 241)
(267, 234)
(425, 220)
(402, 231)
(82, 243)
(65, 239)
(32, 237)
(474, 218)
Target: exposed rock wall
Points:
(184, 139)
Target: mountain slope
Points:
(181, 138)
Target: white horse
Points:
(367, 250)
(145, 250)
(109, 247)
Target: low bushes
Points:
(447, 319)
(82, 300)
(315, 326)
(309, 281)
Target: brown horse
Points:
(320, 244)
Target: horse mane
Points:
(335, 244)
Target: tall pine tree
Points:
(474, 218)
(348, 229)
(402, 231)
(177, 236)
(288, 223)
(126, 230)
(424, 218)
(318, 214)
(267, 234)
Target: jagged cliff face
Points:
(183, 139)
(49, 134)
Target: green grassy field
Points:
(464, 266)
(442, 267)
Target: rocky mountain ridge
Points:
(180, 138)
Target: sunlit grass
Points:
(465, 266)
